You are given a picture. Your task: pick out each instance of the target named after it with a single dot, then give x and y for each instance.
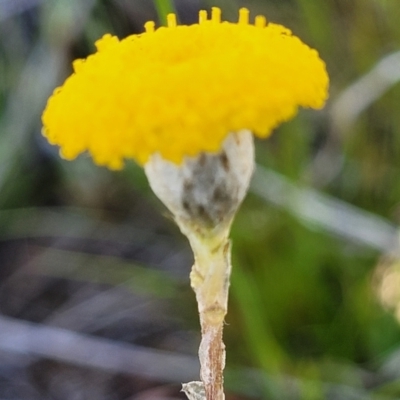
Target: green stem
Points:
(164, 7)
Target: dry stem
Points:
(210, 280)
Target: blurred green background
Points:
(95, 300)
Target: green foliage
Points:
(164, 7)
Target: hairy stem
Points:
(203, 194)
(210, 280)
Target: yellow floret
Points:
(180, 90)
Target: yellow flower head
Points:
(180, 90)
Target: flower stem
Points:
(203, 194)
(210, 278)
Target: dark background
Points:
(95, 300)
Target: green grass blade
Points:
(164, 7)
